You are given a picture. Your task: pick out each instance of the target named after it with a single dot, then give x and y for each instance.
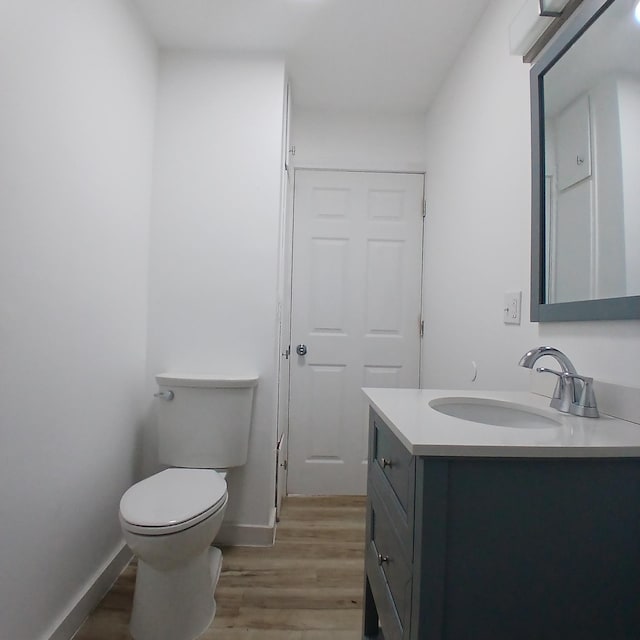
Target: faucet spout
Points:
(531, 357)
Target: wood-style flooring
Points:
(308, 586)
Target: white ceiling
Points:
(374, 55)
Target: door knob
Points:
(301, 349)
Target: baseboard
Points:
(234, 534)
(95, 589)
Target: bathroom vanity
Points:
(477, 531)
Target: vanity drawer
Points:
(385, 610)
(393, 459)
(387, 565)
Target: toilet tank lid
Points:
(206, 380)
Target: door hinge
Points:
(284, 464)
(424, 208)
(292, 150)
(421, 327)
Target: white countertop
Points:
(427, 432)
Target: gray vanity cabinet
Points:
(500, 548)
(389, 538)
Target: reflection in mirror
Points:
(592, 162)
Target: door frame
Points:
(285, 327)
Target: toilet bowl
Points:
(169, 521)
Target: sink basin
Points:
(494, 412)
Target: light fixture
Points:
(531, 22)
(637, 12)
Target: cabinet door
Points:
(389, 546)
(390, 556)
(393, 459)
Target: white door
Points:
(356, 303)
(283, 376)
(285, 317)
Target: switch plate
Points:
(512, 307)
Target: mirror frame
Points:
(626, 308)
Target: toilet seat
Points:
(172, 500)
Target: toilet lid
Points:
(172, 497)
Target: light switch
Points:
(512, 306)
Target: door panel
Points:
(356, 298)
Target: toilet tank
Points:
(204, 420)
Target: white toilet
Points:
(170, 519)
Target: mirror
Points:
(585, 96)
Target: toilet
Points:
(170, 519)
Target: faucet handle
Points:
(563, 394)
(560, 374)
(586, 406)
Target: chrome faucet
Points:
(573, 393)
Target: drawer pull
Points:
(382, 559)
(386, 462)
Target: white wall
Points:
(358, 141)
(478, 230)
(215, 237)
(77, 93)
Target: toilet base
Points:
(178, 604)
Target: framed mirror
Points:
(585, 109)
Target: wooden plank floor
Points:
(308, 586)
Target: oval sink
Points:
(494, 412)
